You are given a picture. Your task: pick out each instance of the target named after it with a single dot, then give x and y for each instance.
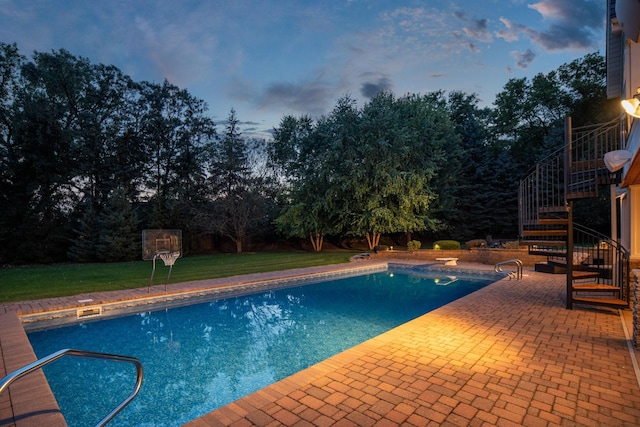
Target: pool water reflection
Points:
(200, 357)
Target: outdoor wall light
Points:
(615, 160)
(631, 105)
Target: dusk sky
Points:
(271, 58)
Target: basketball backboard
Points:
(159, 241)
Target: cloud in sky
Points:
(479, 30)
(375, 84)
(570, 24)
(276, 57)
(523, 59)
(311, 98)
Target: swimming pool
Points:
(200, 357)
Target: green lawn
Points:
(27, 283)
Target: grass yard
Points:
(29, 283)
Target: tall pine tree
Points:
(119, 239)
(236, 204)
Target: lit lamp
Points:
(615, 160)
(631, 105)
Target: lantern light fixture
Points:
(632, 105)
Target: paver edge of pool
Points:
(249, 286)
(62, 317)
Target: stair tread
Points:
(540, 233)
(553, 209)
(584, 274)
(545, 242)
(577, 195)
(553, 221)
(595, 287)
(562, 262)
(611, 302)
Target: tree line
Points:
(89, 158)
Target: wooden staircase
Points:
(596, 267)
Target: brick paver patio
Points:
(509, 354)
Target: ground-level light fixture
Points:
(631, 105)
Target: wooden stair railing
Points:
(597, 268)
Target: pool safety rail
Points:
(38, 364)
(512, 274)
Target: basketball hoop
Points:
(169, 258)
(163, 244)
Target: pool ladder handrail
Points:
(513, 274)
(38, 364)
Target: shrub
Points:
(446, 245)
(476, 243)
(413, 245)
(381, 248)
(512, 245)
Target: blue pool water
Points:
(197, 358)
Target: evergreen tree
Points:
(237, 204)
(483, 189)
(119, 239)
(84, 244)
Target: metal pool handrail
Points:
(38, 364)
(517, 262)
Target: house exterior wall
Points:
(615, 49)
(630, 222)
(635, 302)
(631, 77)
(629, 62)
